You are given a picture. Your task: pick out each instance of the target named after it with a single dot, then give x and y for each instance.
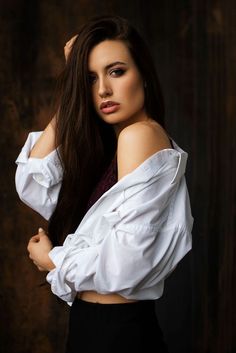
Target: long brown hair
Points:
(86, 143)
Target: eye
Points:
(92, 79)
(117, 72)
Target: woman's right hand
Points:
(68, 46)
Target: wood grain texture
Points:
(194, 46)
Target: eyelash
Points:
(118, 72)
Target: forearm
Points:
(46, 142)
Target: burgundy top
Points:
(108, 179)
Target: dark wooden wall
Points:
(194, 46)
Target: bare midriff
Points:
(111, 298)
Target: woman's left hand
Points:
(38, 247)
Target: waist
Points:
(111, 298)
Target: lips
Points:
(109, 107)
(108, 104)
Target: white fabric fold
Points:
(38, 180)
(133, 237)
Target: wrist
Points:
(49, 265)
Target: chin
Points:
(111, 119)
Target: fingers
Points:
(38, 247)
(68, 46)
(35, 239)
(40, 268)
(71, 41)
(41, 231)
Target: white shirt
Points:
(130, 239)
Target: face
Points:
(116, 84)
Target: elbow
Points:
(37, 200)
(19, 185)
(44, 208)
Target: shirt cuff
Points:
(64, 291)
(57, 255)
(45, 171)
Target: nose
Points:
(104, 88)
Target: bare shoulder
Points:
(137, 142)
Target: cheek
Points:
(133, 90)
(95, 99)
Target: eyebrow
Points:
(112, 64)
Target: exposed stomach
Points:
(111, 298)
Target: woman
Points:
(111, 182)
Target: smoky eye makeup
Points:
(114, 73)
(111, 70)
(91, 79)
(117, 72)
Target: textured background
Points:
(194, 46)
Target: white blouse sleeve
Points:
(143, 241)
(38, 180)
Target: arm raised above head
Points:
(136, 143)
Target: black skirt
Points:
(114, 328)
